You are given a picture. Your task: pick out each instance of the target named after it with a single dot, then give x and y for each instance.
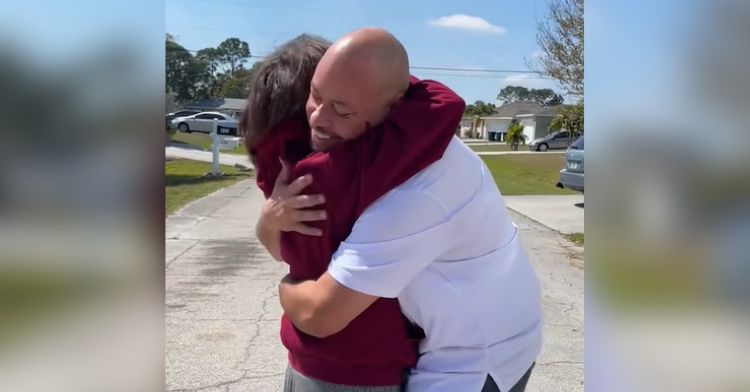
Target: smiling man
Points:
(357, 82)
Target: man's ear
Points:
(397, 101)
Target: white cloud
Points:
(537, 54)
(466, 23)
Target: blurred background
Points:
(668, 219)
(81, 200)
(667, 86)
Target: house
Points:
(534, 118)
(464, 129)
(231, 105)
(536, 125)
(496, 124)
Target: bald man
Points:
(357, 82)
(442, 243)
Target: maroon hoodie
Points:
(378, 346)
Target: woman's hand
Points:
(285, 209)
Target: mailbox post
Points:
(215, 149)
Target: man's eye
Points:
(340, 113)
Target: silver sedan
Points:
(204, 122)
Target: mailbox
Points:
(228, 143)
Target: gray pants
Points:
(296, 382)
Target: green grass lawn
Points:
(203, 141)
(185, 181)
(527, 174)
(576, 238)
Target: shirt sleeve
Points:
(391, 242)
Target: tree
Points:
(479, 108)
(237, 85)
(212, 58)
(510, 94)
(515, 135)
(233, 52)
(211, 73)
(543, 97)
(181, 70)
(570, 118)
(207, 84)
(560, 38)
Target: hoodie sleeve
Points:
(414, 136)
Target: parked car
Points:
(203, 122)
(554, 140)
(179, 113)
(571, 176)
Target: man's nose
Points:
(319, 118)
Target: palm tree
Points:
(569, 118)
(515, 135)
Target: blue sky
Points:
(484, 34)
(638, 63)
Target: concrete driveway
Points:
(222, 310)
(563, 213)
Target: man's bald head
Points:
(375, 52)
(357, 82)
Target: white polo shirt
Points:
(444, 244)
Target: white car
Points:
(204, 122)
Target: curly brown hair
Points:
(281, 86)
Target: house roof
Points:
(526, 109)
(551, 111)
(218, 104)
(513, 109)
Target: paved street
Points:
(222, 310)
(232, 159)
(522, 150)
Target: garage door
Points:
(528, 130)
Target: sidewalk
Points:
(222, 311)
(522, 152)
(206, 156)
(563, 213)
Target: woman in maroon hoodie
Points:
(378, 347)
